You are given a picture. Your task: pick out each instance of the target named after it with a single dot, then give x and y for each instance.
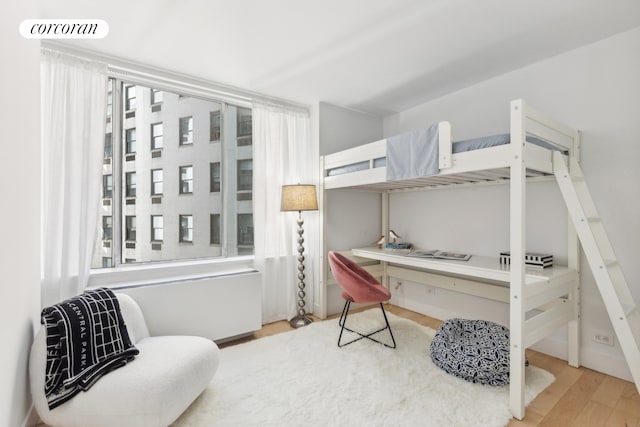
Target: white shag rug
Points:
(302, 378)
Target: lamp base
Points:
(299, 321)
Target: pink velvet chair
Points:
(361, 287)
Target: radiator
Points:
(214, 307)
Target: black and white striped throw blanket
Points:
(86, 339)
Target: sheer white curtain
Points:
(73, 124)
(282, 154)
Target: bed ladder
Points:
(607, 273)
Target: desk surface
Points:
(478, 266)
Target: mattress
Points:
(457, 147)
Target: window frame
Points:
(181, 236)
(181, 133)
(153, 191)
(154, 228)
(131, 144)
(154, 137)
(183, 181)
(120, 163)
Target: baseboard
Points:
(32, 418)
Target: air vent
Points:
(130, 114)
(156, 246)
(106, 202)
(131, 201)
(130, 157)
(156, 153)
(155, 108)
(156, 200)
(106, 243)
(130, 245)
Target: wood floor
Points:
(578, 397)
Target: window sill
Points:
(140, 274)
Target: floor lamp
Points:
(299, 198)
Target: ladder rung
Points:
(594, 220)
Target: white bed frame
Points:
(554, 293)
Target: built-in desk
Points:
(480, 276)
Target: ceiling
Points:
(377, 56)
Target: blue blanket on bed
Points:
(413, 154)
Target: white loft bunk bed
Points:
(536, 146)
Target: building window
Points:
(245, 175)
(130, 98)
(130, 180)
(108, 145)
(127, 205)
(130, 228)
(156, 96)
(157, 228)
(214, 172)
(214, 130)
(245, 229)
(130, 140)
(186, 130)
(244, 126)
(109, 103)
(186, 228)
(107, 227)
(156, 136)
(186, 179)
(214, 220)
(156, 182)
(107, 262)
(107, 186)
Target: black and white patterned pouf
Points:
(474, 350)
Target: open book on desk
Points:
(439, 255)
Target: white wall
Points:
(595, 89)
(20, 215)
(344, 226)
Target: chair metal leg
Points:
(343, 320)
(345, 308)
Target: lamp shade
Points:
(300, 197)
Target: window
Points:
(130, 180)
(108, 145)
(245, 229)
(130, 230)
(107, 262)
(186, 130)
(107, 186)
(157, 228)
(107, 227)
(214, 130)
(156, 136)
(186, 228)
(170, 205)
(156, 96)
(130, 138)
(244, 126)
(245, 175)
(214, 220)
(186, 179)
(214, 185)
(156, 182)
(130, 98)
(109, 103)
